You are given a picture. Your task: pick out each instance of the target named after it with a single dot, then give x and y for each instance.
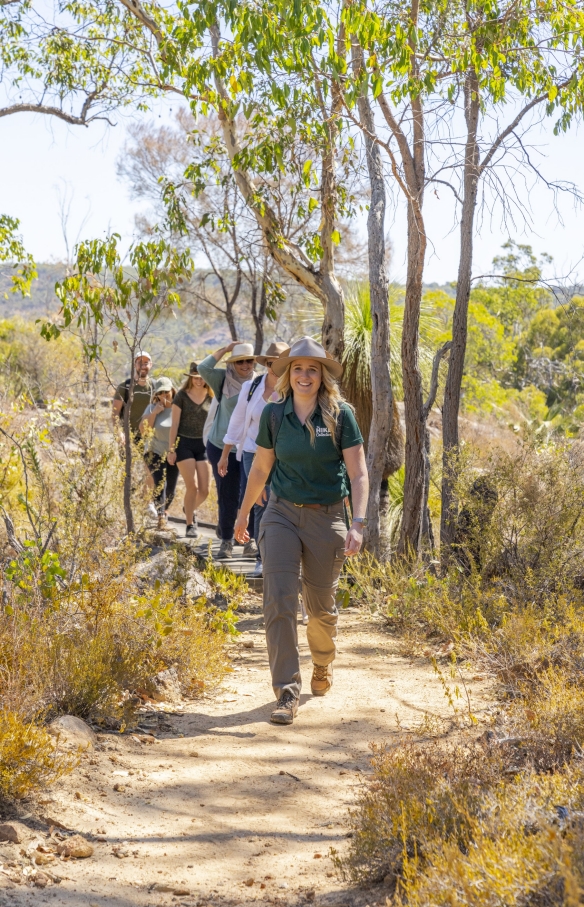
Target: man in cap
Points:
(141, 399)
(142, 393)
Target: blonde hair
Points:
(329, 399)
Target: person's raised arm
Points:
(175, 412)
(150, 417)
(354, 458)
(212, 376)
(258, 476)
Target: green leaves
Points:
(13, 253)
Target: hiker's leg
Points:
(280, 549)
(203, 477)
(227, 490)
(156, 471)
(323, 542)
(246, 461)
(171, 480)
(187, 469)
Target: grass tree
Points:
(123, 302)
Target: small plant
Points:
(28, 759)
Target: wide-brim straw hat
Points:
(241, 351)
(307, 348)
(273, 351)
(193, 371)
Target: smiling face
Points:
(305, 378)
(142, 365)
(244, 367)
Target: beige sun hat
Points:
(241, 351)
(307, 348)
(273, 351)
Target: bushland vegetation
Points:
(85, 627)
(486, 809)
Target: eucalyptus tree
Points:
(119, 300)
(428, 66)
(55, 62)
(515, 64)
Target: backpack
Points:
(126, 386)
(277, 415)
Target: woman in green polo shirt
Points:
(311, 443)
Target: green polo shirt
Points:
(303, 473)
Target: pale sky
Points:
(42, 159)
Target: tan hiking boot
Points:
(286, 708)
(322, 679)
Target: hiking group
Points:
(288, 461)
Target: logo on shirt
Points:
(322, 432)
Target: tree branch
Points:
(445, 348)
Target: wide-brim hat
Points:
(273, 351)
(193, 371)
(307, 348)
(241, 351)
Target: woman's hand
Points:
(240, 529)
(263, 498)
(171, 457)
(222, 465)
(159, 408)
(354, 540)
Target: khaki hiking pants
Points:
(292, 536)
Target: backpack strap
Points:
(276, 417)
(254, 386)
(339, 428)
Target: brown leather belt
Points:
(311, 506)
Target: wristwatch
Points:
(360, 519)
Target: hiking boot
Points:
(258, 570)
(322, 679)
(286, 708)
(192, 531)
(250, 549)
(225, 550)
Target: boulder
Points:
(167, 685)
(10, 833)
(162, 567)
(73, 732)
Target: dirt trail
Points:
(224, 797)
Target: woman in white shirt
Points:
(243, 429)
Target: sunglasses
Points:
(245, 361)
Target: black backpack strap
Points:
(276, 417)
(339, 428)
(254, 386)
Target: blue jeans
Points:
(258, 510)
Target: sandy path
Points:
(223, 797)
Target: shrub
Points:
(28, 759)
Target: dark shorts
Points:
(191, 449)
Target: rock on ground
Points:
(73, 731)
(162, 567)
